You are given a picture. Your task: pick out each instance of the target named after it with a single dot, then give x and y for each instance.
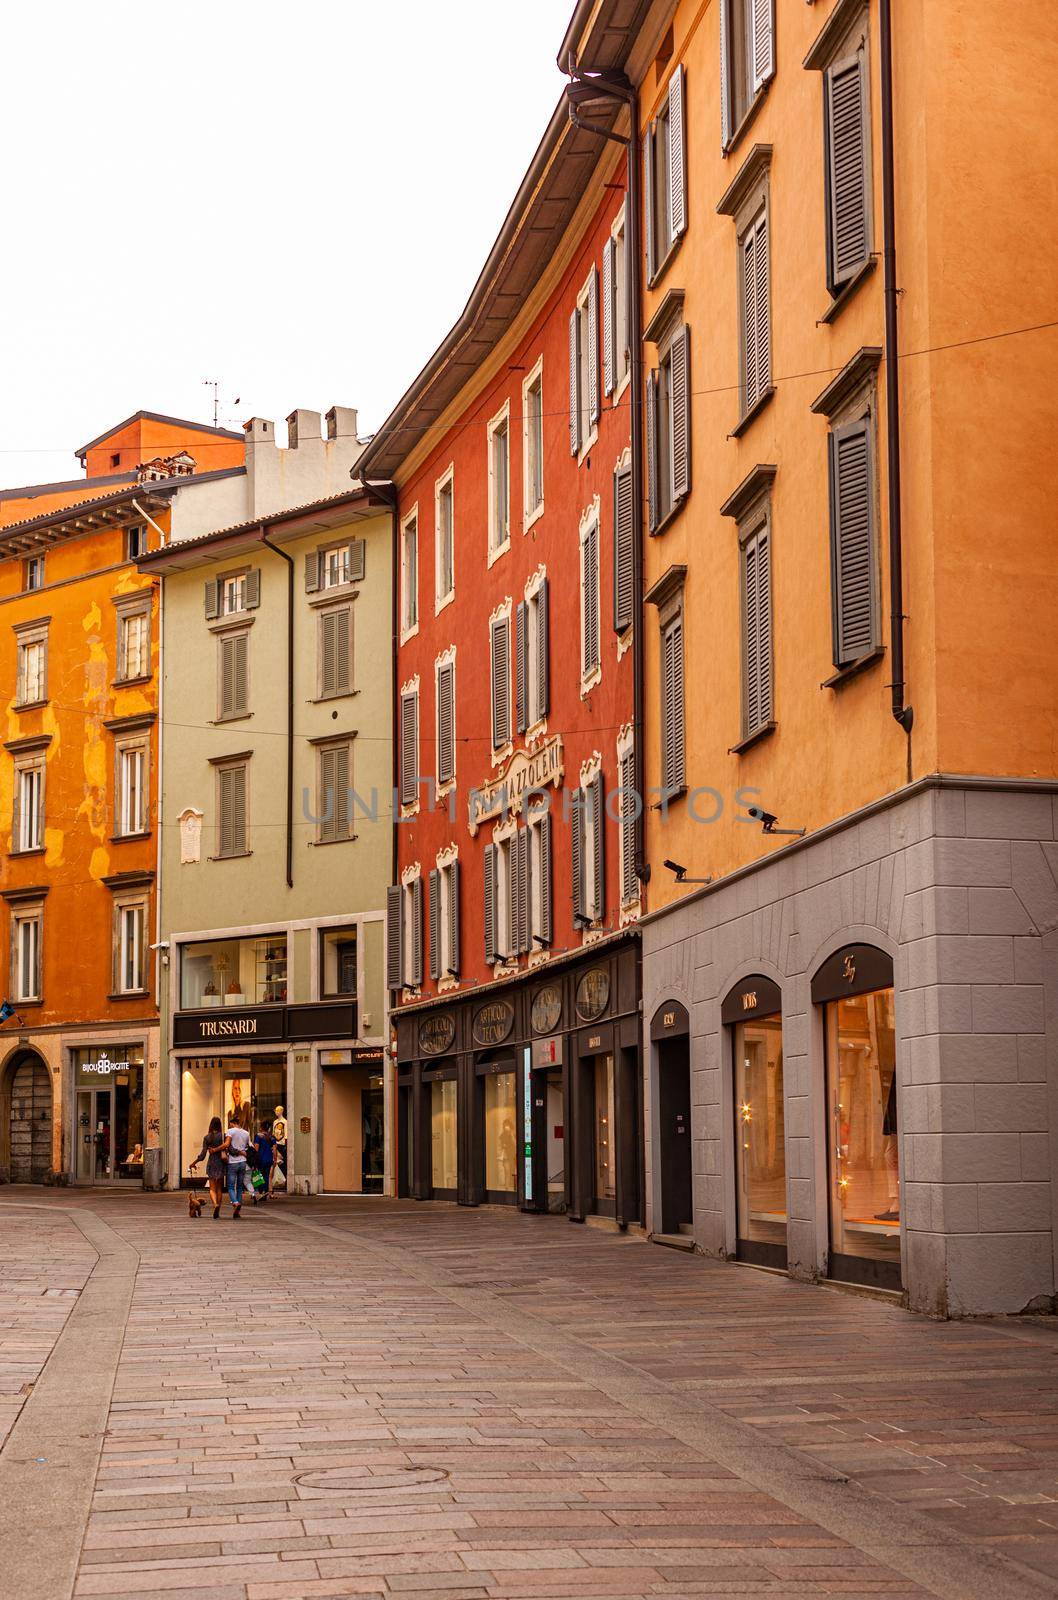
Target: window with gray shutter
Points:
(234, 680)
(651, 407)
(231, 806)
(544, 934)
(677, 156)
(623, 550)
(747, 59)
(852, 543)
(756, 631)
(629, 806)
(435, 923)
(252, 595)
(762, 41)
(415, 973)
(334, 784)
(575, 400)
(589, 580)
(673, 775)
(847, 156)
(335, 659)
(500, 641)
(312, 571)
(521, 664)
(609, 316)
(394, 937)
(409, 748)
(593, 347)
(446, 737)
(452, 908)
(680, 407)
(491, 900)
(520, 891)
(596, 795)
(577, 857)
(541, 644)
(357, 560)
(754, 311)
(649, 218)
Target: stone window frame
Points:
(127, 607)
(28, 634)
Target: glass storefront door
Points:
(605, 1158)
(501, 1135)
(864, 1149)
(443, 1135)
(251, 1089)
(760, 1142)
(108, 1083)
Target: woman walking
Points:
(236, 1145)
(213, 1146)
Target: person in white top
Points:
(236, 1145)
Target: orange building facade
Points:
(79, 641)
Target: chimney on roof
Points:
(180, 465)
(303, 429)
(341, 424)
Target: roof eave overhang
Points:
(281, 528)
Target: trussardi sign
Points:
(523, 774)
(247, 1025)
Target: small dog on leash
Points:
(194, 1204)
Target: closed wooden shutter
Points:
(212, 600)
(409, 749)
(454, 890)
(847, 156)
(629, 806)
(490, 903)
(435, 923)
(394, 939)
(623, 550)
(501, 683)
(650, 224)
(762, 41)
(680, 370)
(609, 315)
(542, 645)
(853, 579)
(546, 893)
(756, 590)
(520, 875)
(594, 406)
(328, 652)
(252, 597)
(328, 799)
(598, 843)
(576, 843)
(446, 744)
(357, 557)
(672, 712)
(574, 383)
(312, 571)
(232, 800)
(234, 689)
(677, 131)
(589, 579)
(653, 516)
(727, 88)
(416, 972)
(521, 665)
(756, 330)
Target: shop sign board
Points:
(436, 1033)
(523, 774)
(493, 1022)
(247, 1026)
(104, 1066)
(548, 1052)
(593, 994)
(547, 1008)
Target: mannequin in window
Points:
(891, 1155)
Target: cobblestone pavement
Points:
(344, 1398)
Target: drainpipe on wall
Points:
(163, 536)
(583, 87)
(901, 710)
(290, 701)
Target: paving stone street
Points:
(373, 1397)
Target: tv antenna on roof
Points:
(214, 384)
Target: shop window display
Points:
(760, 1132)
(501, 1174)
(864, 1148)
(233, 972)
(108, 1084)
(443, 1133)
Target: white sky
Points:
(294, 199)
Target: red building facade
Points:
(513, 939)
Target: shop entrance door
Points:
(674, 1117)
(353, 1145)
(549, 1136)
(95, 1125)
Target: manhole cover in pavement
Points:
(346, 1478)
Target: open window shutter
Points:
(435, 924)
(846, 158)
(394, 952)
(546, 918)
(598, 815)
(453, 920)
(623, 550)
(852, 544)
(593, 346)
(16, 814)
(576, 840)
(649, 230)
(677, 154)
(591, 596)
(521, 664)
(409, 748)
(416, 932)
(652, 451)
(726, 85)
(543, 651)
(751, 636)
(253, 589)
(212, 598)
(328, 797)
(574, 382)
(680, 367)
(446, 723)
(629, 881)
(609, 316)
(312, 571)
(521, 883)
(501, 683)
(490, 903)
(357, 549)
(762, 44)
(672, 706)
(761, 314)
(764, 623)
(748, 289)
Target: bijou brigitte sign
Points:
(522, 774)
